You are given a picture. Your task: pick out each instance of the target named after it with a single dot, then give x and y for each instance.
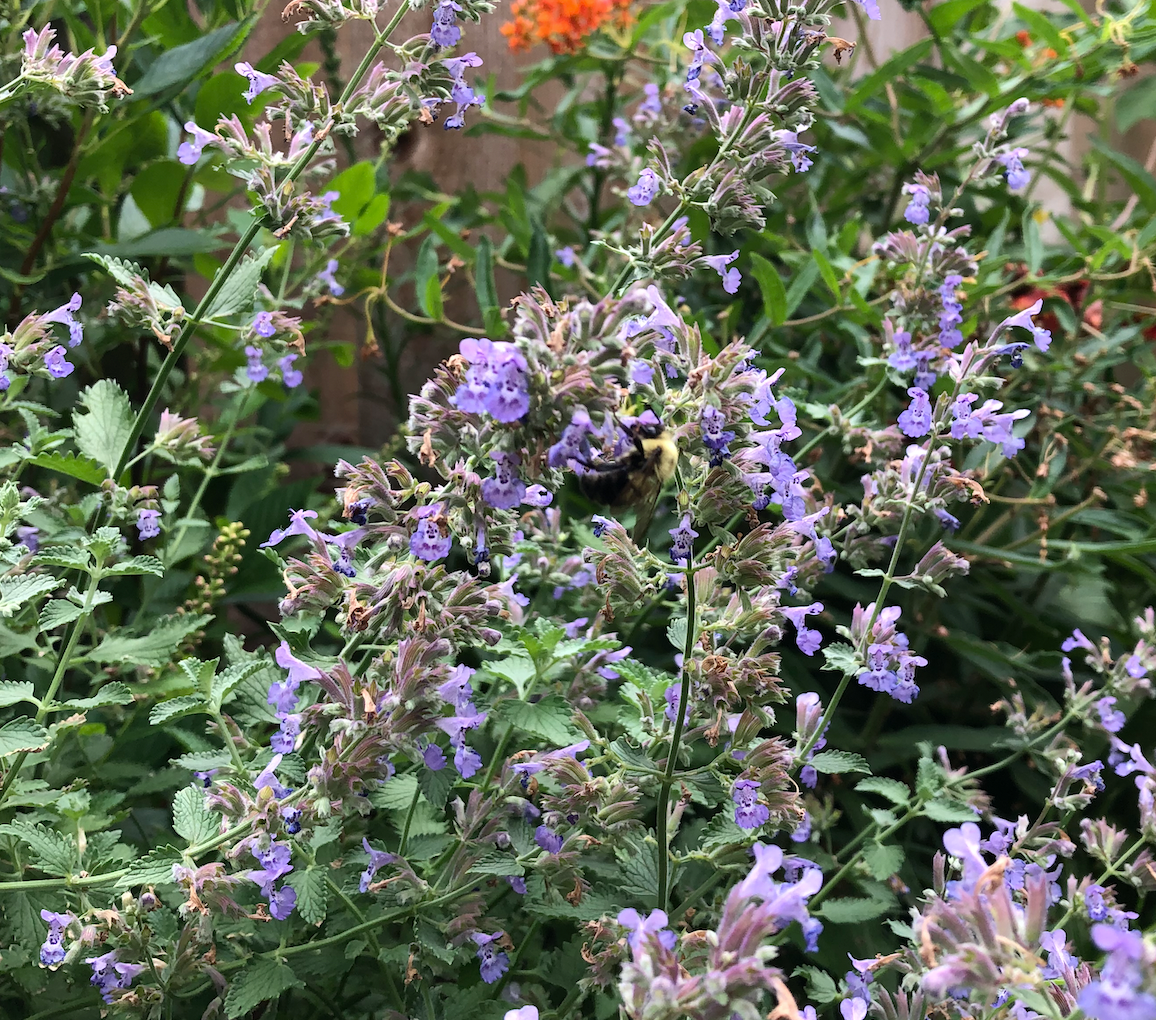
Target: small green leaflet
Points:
(830, 762)
(104, 429)
(191, 819)
(237, 293)
(22, 735)
(16, 591)
(548, 719)
(258, 981)
(13, 691)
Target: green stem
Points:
(62, 664)
(676, 737)
(408, 819)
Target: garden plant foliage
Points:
(852, 720)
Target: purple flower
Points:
(1077, 640)
(1017, 176)
(467, 761)
(749, 813)
(427, 542)
(1023, 319)
(505, 489)
(189, 152)
(65, 315)
(731, 278)
(327, 277)
(299, 671)
(377, 859)
(1094, 903)
(290, 376)
(108, 975)
(148, 523)
(547, 839)
(600, 524)
(807, 639)
(434, 758)
(52, 951)
(538, 495)
(566, 256)
(871, 9)
(641, 372)
(854, 1009)
(58, 366)
(255, 370)
(964, 843)
(284, 740)
(518, 884)
(572, 445)
(951, 316)
(281, 902)
(903, 360)
(297, 526)
(916, 420)
(643, 192)
(683, 540)
(641, 929)
(917, 210)
(1117, 995)
(259, 81)
(496, 381)
(268, 778)
(714, 437)
(789, 140)
(445, 32)
(493, 962)
(263, 325)
(464, 97)
(1111, 719)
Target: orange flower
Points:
(563, 25)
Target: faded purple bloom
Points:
(547, 839)
(263, 325)
(917, 210)
(1117, 994)
(493, 962)
(148, 523)
(856, 1008)
(290, 376)
(641, 372)
(518, 884)
(731, 277)
(65, 315)
(377, 859)
(566, 256)
(189, 152)
(683, 540)
(256, 370)
(505, 489)
(327, 277)
(749, 813)
(259, 81)
(1017, 176)
(58, 366)
(445, 31)
(807, 639)
(538, 495)
(652, 926)
(643, 192)
(916, 420)
(572, 446)
(1110, 718)
(297, 526)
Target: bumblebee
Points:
(636, 478)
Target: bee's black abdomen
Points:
(605, 484)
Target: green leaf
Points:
(497, 864)
(158, 188)
(191, 819)
(638, 873)
(260, 980)
(827, 272)
(425, 275)
(487, 290)
(830, 762)
(16, 591)
(312, 894)
(1136, 176)
(841, 658)
(153, 649)
(355, 187)
(397, 794)
(372, 216)
(54, 853)
(155, 868)
(115, 693)
(22, 735)
(1136, 104)
(771, 287)
(224, 683)
(892, 789)
(548, 719)
(13, 691)
(203, 761)
(136, 565)
(1033, 243)
(237, 293)
(821, 987)
(853, 910)
(436, 786)
(84, 469)
(883, 859)
(183, 63)
(518, 669)
(889, 71)
(57, 612)
(722, 831)
(538, 258)
(175, 708)
(104, 430)
(940, 810)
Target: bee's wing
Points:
(646, 507)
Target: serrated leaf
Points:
(939, 810)
(191, 819)
(240, 289)
(548, 719)
(58, 612)
(136, 565)
(82, 468)
(518, 669)
(103, 429)
(853, 909)
(155, 868)
(892, 789)
(821, 987)
(397, 794)
(638, 874)
(312, 894)
(175, 708)
(183, 63)
(722, 831)
(153, 649)
(203, 761)
(840, 657)
(53, 852)
(497, 864)
(22, 735)
(234, 675)
(115, 693)
(830, 762)
(436, 786)
(16, 591)
(260, 980)
(883, 859)
(13, 691)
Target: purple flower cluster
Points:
(492, 961)
(749, 813)
(1117, 994)
(781, 482)
(110, 975)
(890, 664)
(52, 952)
(918, 209)
(275, 865)
(714, 437)
(496, 381)
(807, 639)
(428, 542)
(951, 316)
(985, 423)
(458, 692)
(283, 697)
